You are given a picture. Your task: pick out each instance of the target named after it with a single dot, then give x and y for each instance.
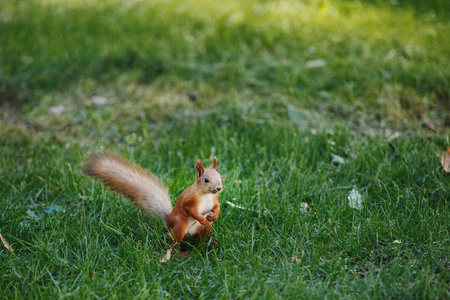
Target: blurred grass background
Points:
(346, 57)
(301, 101)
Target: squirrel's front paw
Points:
(212, 218)
(203, 221)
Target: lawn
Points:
(327, 119)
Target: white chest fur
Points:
(204, 208)
(206, 204)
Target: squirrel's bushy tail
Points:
(130, 180)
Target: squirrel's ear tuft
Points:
(214, 165)
(199, 168)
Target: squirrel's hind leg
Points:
(174, 242)
(202, 232)
(176, 235)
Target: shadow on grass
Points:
(439, 7)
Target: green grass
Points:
(366, 53)
(274, 90)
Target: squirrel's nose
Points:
(219, 189)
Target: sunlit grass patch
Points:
(302, 49)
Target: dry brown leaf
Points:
(445, 160)
(6, 244)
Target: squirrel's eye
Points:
(206, 180)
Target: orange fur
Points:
(195, 210)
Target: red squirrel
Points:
(195, 210)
